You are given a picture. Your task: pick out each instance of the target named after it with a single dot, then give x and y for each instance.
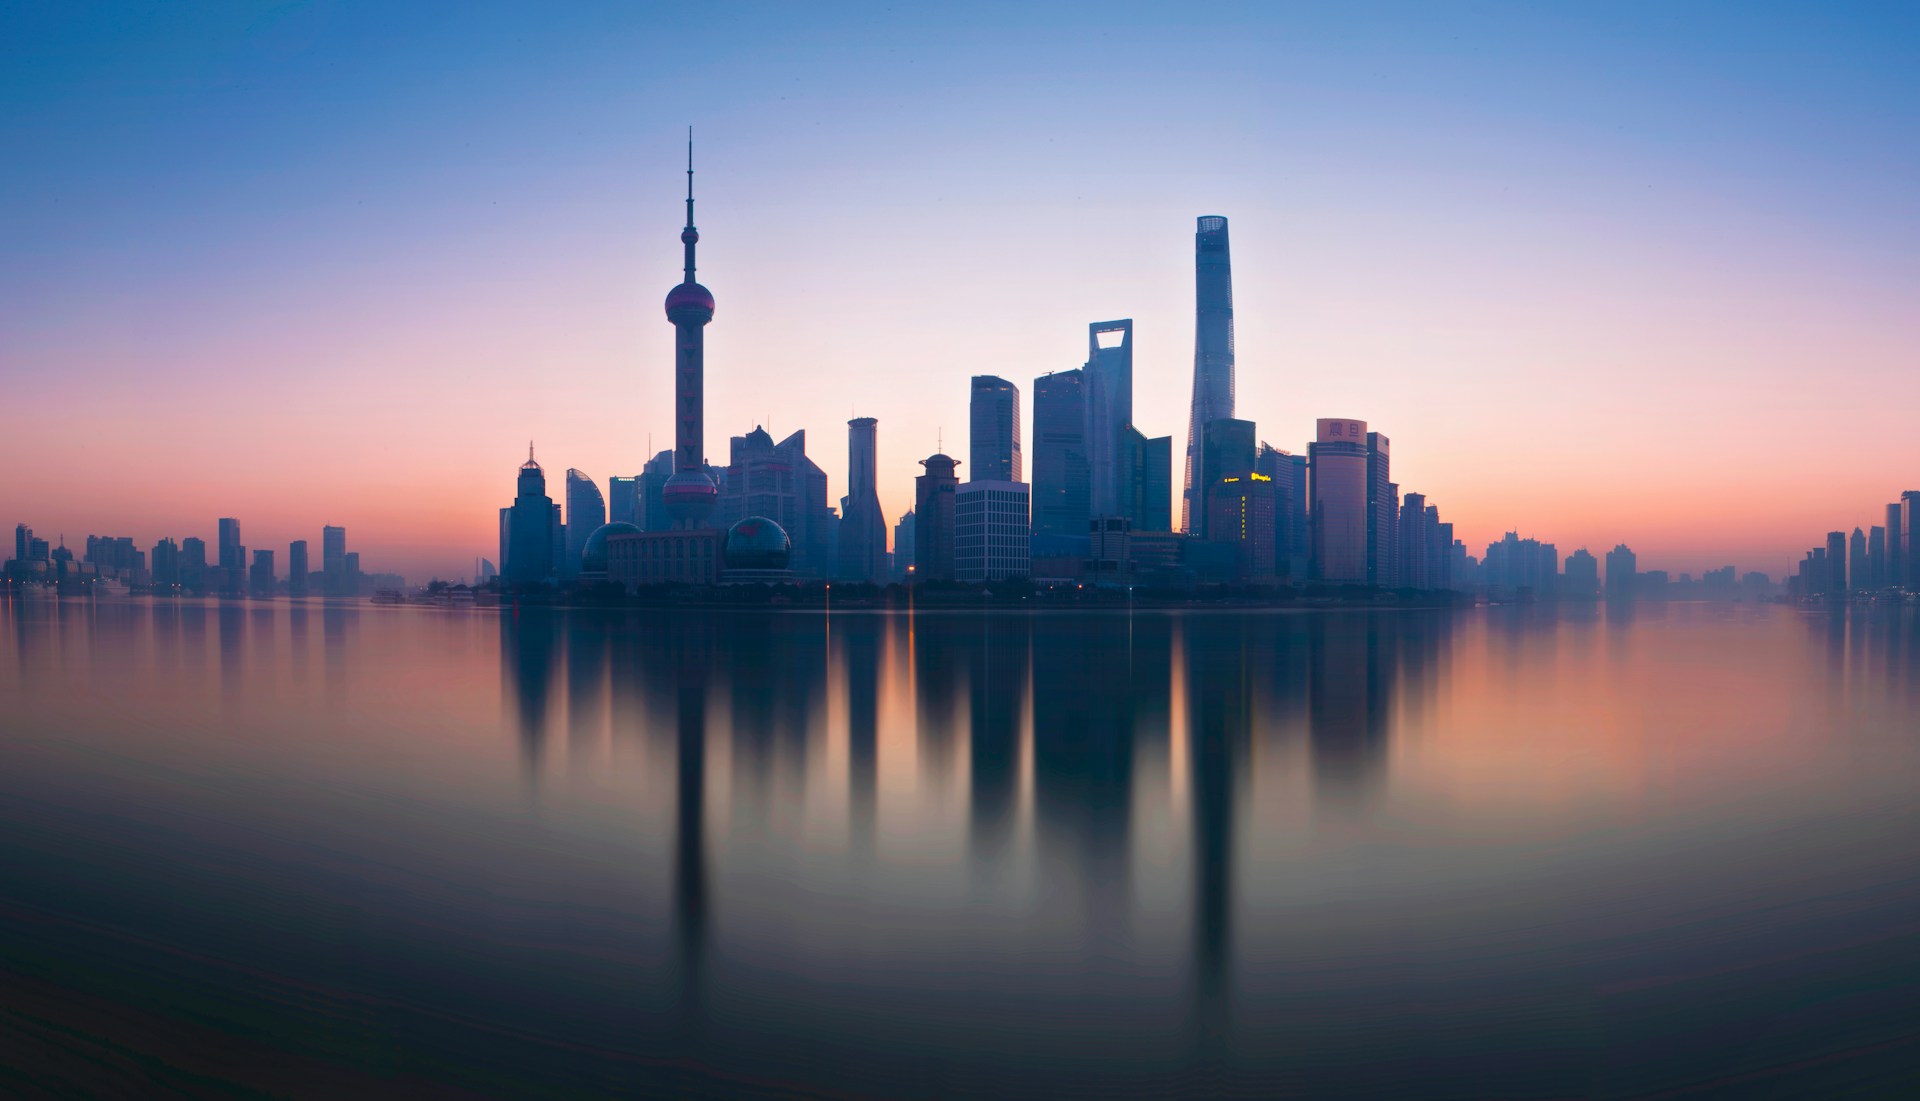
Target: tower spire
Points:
(690, 235)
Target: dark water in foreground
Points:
(354, 851)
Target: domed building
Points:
(756, 551)
(593, 556)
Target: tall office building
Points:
(1382, 504)
(1061, 502)
(1896, 549)
(1109, 412)
(530, 527)
(992, 540)
(1147, 466)
(166, 565)
(333, 558)
(1857, 573)
(22, 536)
(623, 500)
(1241, 513)
(1623, 571)
(863, 527)
(586, 514)
(1582, 576)
(297, 568)
(193, 563)
(993, 437)
(1418, 569)
(232, 554)
(1291, 544)
(904, 545)
(778, 481)
(1337, 469)
(1836, 562)
(650, 495)
(1877, 558)
(690, 493)
(934, 519)
(1212, 358)
(1909, 544)
(260, 575)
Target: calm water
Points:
(1527, 852)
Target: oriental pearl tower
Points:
(690, 493)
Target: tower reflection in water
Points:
(1050, 755)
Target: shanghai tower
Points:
(1212, 362)
(689, 494)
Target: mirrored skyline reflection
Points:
(1523, 851)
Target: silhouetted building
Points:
(1896, 549)
(689, 495)
(586, 514)
(1291, 538)
(1148, 466)
(1582, 579)
(232, 560)
(1241, 513)
(623, 500)
(297, 568)
(1837, 562)
(863, 527)
(333, 557)
(934, 519)
(1622, 571)
(260, 575)
(680, 556)
(1857, 574)
(193, 564)
(1061, 489)
(1877, 558)
(1110, 550)
(165, 560)
(1212, 359)
(650, 497)
(779, 482)
(904, 545)
(1383, 502)
(993, 437)
(1109, 413)
(1227, 446)
(1909, 544)
(1337, 469)
(1516, 567)
(530, 528)
(992, 538)
(757, 551)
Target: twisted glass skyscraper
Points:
(1212, 362)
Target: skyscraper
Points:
(1147, 466)
(1896, 549)
(1623, 570)
(778, 481)
(333, 556)
(1241, 513)
(1909, 543)
(904, 545)
(1382, 504)
(1291, 537)
(530, 527)
(991, 537)
(1836, 562)
(650, 495)
(1582, 576)
(1212, 358)
(1337, 463)
(1857, 573)
(934, 519)
(690, 493)
(232, 554)
(993, 421)
(260, 576)
(22, 536)
(1061, 505)
(1109, 411)
(623, 500)
(1227, 446)
(297, 568)
(586, 514)
(863, 527)
(1877, 558)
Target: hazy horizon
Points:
(1631, 275)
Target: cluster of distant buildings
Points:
(186, 567)
(1096, 512)
(1887, 557)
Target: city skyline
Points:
(1621, 334)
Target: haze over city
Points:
(1647, 282)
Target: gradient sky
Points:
(1641, 273)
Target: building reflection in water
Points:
(1101, 694)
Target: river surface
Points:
(326, 851)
